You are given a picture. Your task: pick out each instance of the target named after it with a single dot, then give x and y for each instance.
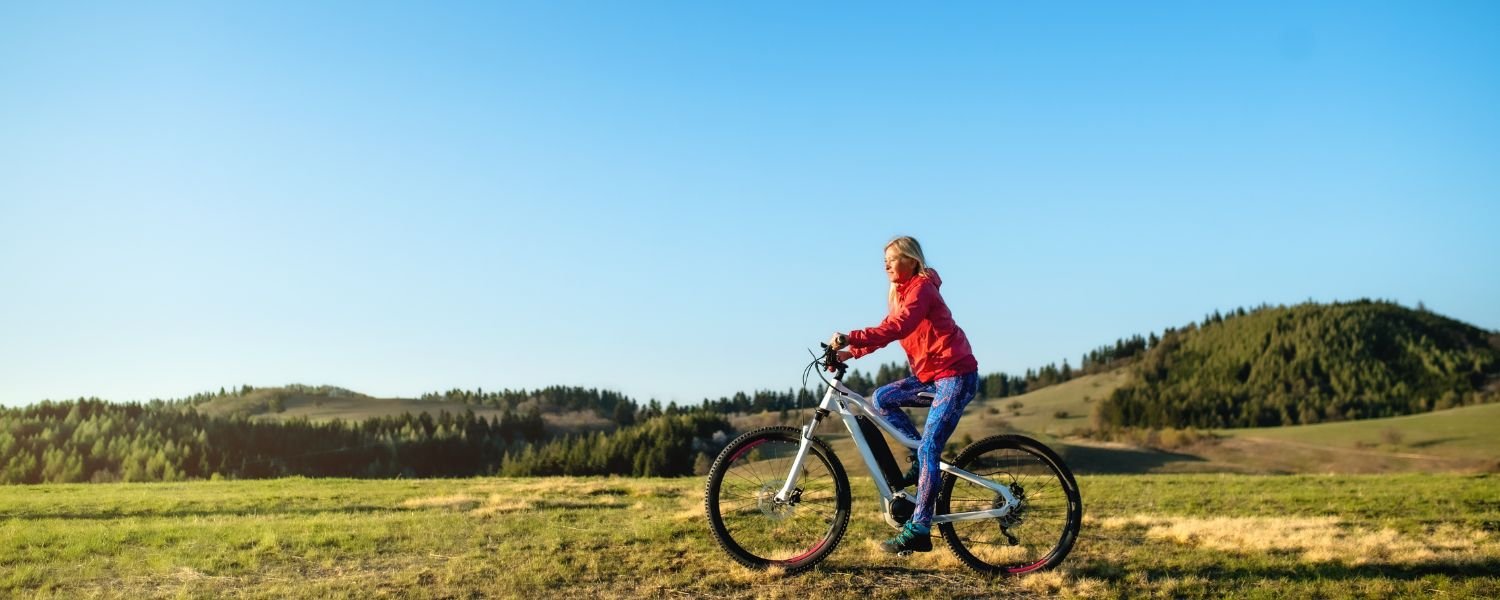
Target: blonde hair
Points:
(907, 247)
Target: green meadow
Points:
(1464, 432)
(1169, 536)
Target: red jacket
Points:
(934, 344)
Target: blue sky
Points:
(675, 200)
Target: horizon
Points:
(675, 202)
(869, 371)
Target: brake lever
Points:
(831, 358)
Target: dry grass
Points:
(453, 502)
(1416, 536)
(1319, 539)
(585, 497)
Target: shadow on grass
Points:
(956, 582)
(1101, 460)
(178, 513)
(1433, 442)
(295, 512)
(1116, 574)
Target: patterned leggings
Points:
(952, 395)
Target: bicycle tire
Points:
(1036, 536)
(756, 531)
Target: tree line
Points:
(667, 446)
(1306, 364)
(92, 440)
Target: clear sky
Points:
(675, 200)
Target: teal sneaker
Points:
(913, 538)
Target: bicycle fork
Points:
(803, 447)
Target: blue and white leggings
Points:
(952, 394)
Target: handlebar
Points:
(831, 359)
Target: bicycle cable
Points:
(808, 369)
(811, 367)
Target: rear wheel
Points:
(1038, 533)
(757, 530)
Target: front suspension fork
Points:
(787, 488)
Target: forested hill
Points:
(1306, 364)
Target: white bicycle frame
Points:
(836, 399)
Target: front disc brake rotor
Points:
(776, 511)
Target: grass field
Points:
(1464, 432)
(1208, 536)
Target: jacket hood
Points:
(931, 275)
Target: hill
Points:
(1056, 410)
(325, 403)
(1308, 364)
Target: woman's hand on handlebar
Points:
(835, 351)
(838, 341)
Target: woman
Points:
(941, 362)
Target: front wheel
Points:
(756, 529)
(1038, 533)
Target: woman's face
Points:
(898, 268)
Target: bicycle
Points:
(779, 497)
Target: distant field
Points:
(1457, 440)
(359, 409)
(333, 404)
(1470, 431)
(1209, 536)
(1058, 409)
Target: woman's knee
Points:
(888, 397)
